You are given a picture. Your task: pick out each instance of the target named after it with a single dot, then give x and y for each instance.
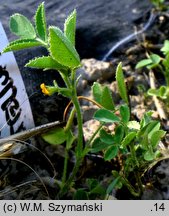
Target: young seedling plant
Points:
(159, 64)
(137, 142)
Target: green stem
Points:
(80, 126)
(130, 187)
(133, 154)
(65, 168)
(79, 148)
(86, 149)
(136, 163)
(70, 120)
(43, 43)
(167, 78)
(79, 116)
(68, 183)
(66, 80)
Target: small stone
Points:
(89, 128)
(97, 70)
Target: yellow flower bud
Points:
(44, 89)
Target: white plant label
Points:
(15, 110)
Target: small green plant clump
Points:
(136, 142)
(160, 64)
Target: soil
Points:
(31, 175)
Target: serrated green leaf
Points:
(121, 83)
(143, 63)
(55, 136)
(106, 116)
(40, 22)
(62, 50)
(133, 125)
(128, 139)
(98, 145)
(22, 27)
(45, 62)
(111, 152)
(21, 44)
(106, 137)
(156, 137)
(97, 91)
(125, 113)
(70, 27)
(106, 99)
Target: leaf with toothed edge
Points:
(21, 44)
(40, 22)
(22, 27)
(45, 62)
(70, 27)
(61, 49)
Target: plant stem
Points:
(80, 126)
(133, 154)
(130, 187)
(91, 139)
(79, 116)
(68, 183)
(135, 162)
(79, 148)
(70, 120)
(65, 167)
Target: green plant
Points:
(160, 4)
(137, 142)
(63, 58)
(159, 64)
